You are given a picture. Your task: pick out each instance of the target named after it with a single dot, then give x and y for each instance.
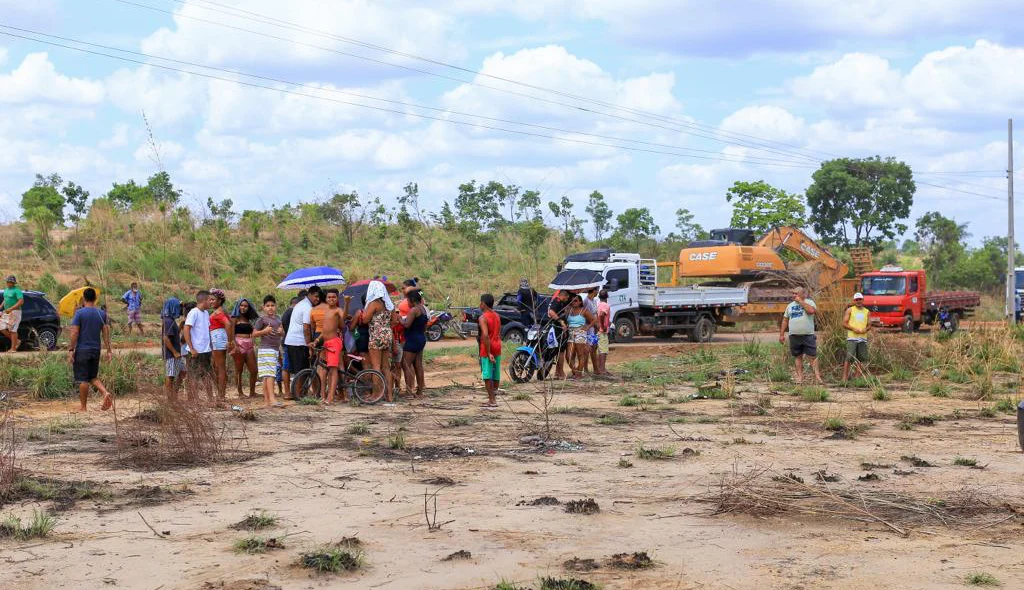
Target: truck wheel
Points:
(515, 337)
(702, 331)
(908, 323)
(625, 330)
(435, 333)
(664, 334)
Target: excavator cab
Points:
(730, 236)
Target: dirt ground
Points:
(169, 529)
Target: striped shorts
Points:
(266, 361)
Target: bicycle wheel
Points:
(305, 383)
(368, 386)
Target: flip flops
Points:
(108, 402)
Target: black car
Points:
(40, 324)
(516, 318)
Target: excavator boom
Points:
(817, 260)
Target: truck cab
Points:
(895, 296)
(622, 271)
(1018, 289)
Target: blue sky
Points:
(742, 84)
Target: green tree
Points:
(345, 211)
(78, 199)
(128, 195)
(572, 227)
(529, 205)
(941, 240)
(861, 202)
(255, 221)
(600, 214)
(221, 214)
(162, 191)
(688, 230)
(635, 225)
(418, 223)
(44, 194)
(479, 205)
(534, 233)
(760, 206)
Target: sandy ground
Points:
(325, 484)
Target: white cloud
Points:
(166, 98)
(119, 137)
(766, 122)
(857, 79)
(410, 29)
(36, 79)
(960, 80)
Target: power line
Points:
(396, 111)
(681, 126)
(393, 101)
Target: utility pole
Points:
(1011, 277)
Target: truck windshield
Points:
(883, 285)
(1018, 280)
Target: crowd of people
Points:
(319, 329)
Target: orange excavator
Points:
(736, 257)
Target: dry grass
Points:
(757, 493)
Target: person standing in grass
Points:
(170, 337)
(14, 298)
(604, 315)
(798, 320)
(857, 321)
(269, 330)
(200, 354)
(242, 317)
(490, 349)
(88, 331)
(132, 299)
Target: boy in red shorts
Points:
(334, 318)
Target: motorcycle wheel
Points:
(522, 368)
(435, 333)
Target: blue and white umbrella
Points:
(321, 276)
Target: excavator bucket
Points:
(862, 262)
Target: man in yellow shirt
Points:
(857, 321)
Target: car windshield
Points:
(883, 285)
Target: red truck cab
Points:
(893, 295)
(898, 298)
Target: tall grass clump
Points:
(51, 378)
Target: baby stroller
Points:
(539, 354)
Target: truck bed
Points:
(966, 300)
(692, 296)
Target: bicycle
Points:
(366, 385)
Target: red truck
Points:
(898, 298)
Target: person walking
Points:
(415, 324)
(14, 299)
(857, 321)
(798, 320)
(242, 318)
(200, 353)
(132, 300)
(220, 342)
(377, 314)
(490, 349)
(298, 338)
(170, 337)
(88, 332)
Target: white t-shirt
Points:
(296, 335)
(198, 321)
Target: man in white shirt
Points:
(299, 336)
(197, 336)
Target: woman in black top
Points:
(243, 316)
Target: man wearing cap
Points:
(11, 318)
(857, 321)
(799, 322)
